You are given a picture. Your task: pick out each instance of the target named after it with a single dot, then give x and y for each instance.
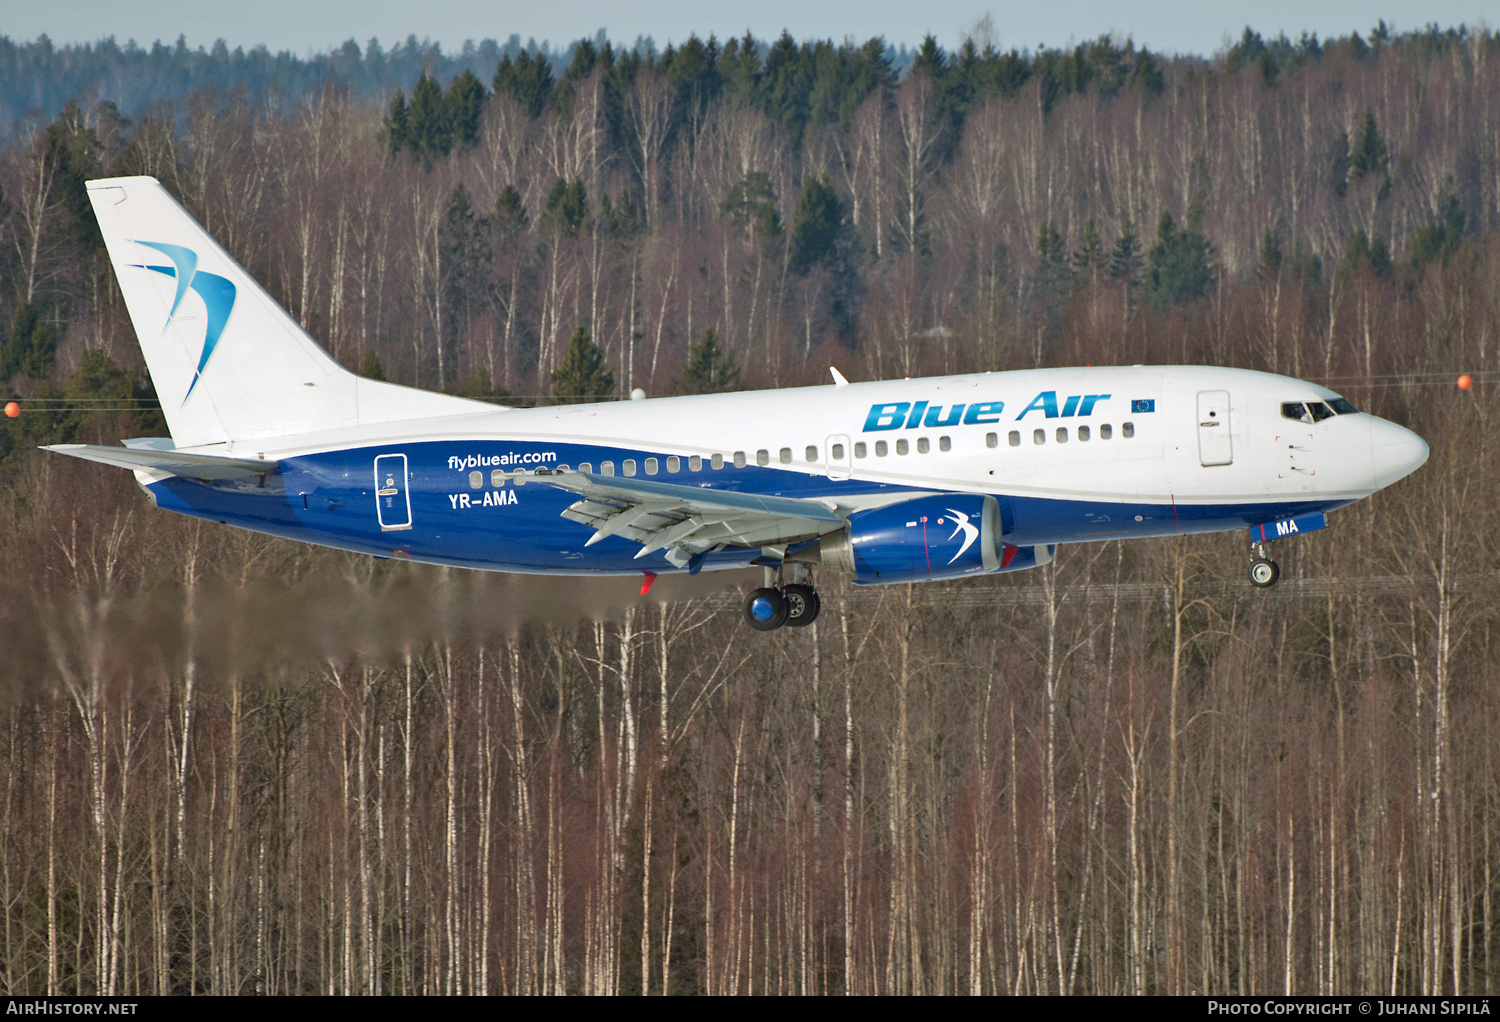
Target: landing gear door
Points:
(392, 494)
(839, 465)
(1214, 445)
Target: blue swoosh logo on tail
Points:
(217, 293)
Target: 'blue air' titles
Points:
(915, 414)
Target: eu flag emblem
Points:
(1148, 405)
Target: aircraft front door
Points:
(392, 495)
(839, 465)
(1214, 445)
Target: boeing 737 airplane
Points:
(895, 481)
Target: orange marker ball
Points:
(12, 409)
(1464, 383)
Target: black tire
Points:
(1264, 572)
(765, 610)
(802, 605)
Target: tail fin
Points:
(228, 362)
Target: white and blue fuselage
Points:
(893, 481)
(1071, 455)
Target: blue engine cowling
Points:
(925, 538)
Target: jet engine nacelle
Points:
(946, 536)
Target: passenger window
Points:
(762, 457)
(608, 468)
(880, 449)
(812, 453)
(476, 480)
(1295, 411)
(990, 440)
(860, 449)
(1039, 437)
(1127, 430)
(946, 443)
(717, 462)
(923, 446)
(651, 466)
(1083, 433)
(902, 447)
(585, 467)
(739, 459)
(786, 455)
(695, 463)
(1015, 438)
(674, 464)
(1062, 434)
(1106, 431)
(520, 477)
(1319, 410)
(561, 468)
(497, 477)
(629, 466)
(1342, 406)
(836, 453)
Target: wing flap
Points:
(687, 520)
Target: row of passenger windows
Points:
(1084, 434)
(784, 456)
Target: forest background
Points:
(236, 765)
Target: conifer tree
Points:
(30, 345)
(1179, 267)
(1440, 238)
(465, 103)
(582, 375)
(510, 213)
(397, 124)
(815, 227)
(709, 369)
(370, 368)
(1125, 258)
(428, 130)
(1368, 153)
(567, 207)
(528, 80)
(751, 206)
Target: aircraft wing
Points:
(189, 466)
(686, 521)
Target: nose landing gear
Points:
(795, 605)
(1263, 571)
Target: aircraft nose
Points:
(1395, 451)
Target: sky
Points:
(307, 26)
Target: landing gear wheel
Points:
(1263, 572)
(765, 610)
(802, 605)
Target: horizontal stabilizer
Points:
(189, 466)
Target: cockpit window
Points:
(1316, 411)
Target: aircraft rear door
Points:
(839, 465)
(1214, 445)
(392, 494)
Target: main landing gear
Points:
(1263, 571)
(795, 605)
